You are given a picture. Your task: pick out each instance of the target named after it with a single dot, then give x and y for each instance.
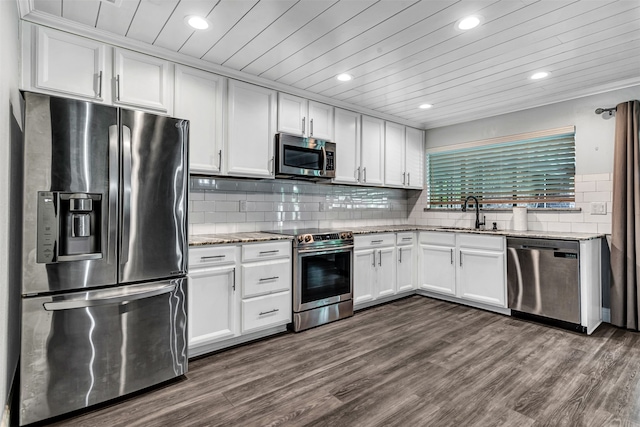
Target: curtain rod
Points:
(606, 110)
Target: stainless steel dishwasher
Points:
(543, 280)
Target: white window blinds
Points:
(536, 169)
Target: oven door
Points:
(322, 278)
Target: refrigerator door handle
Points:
(113, 193)
(126, 194)
(122, 299)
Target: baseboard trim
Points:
(205, 349)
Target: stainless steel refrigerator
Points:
(104, 255)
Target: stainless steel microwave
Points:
(305, 158)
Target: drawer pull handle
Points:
(262, 313)
(269, 252)
(268, 278)
(407, 238)
(377, 241)
(213, 257)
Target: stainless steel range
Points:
(322, 276)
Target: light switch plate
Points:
(598, 208)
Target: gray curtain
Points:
(625, 232)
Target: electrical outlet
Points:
(598, 208)
(243, 205)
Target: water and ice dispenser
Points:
(69, 226)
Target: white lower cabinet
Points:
(236, 291)
(374, 272)
(406, 265)
(212, 306)
(212, 295)
(466, 266)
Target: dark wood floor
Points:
(413, 362)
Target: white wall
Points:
(9, 42)
(594, 160)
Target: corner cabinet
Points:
(142, 81)
(68, 65)
(199, 97)
(251, 125)
(464, 265)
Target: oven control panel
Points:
(339, 237)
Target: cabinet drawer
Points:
(374, 240)
(481, 241)
(266, 311)
(405, 238)
(208, 256)
(438, 238)
(259, 278)
(262, 251)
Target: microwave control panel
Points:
(331, 161)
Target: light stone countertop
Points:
(261, 236)
(228, 238)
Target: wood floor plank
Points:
(415, 361)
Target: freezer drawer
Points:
(83, 348)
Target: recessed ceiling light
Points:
(468, 23)
(344, 77)
(197, 22)
(539, 75)
(425, 106)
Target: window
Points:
(534, 170)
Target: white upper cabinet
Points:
(414, 158)
(66, 64)
(251, 124)
(298, 116)
(199, 98)
(347, 131)
(142, 81)
(394, 153)
(372, 151)
(320, 121)
(292, 114)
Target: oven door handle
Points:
(325, 251)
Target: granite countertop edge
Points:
(250, 237)
(229, 238)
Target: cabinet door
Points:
(394, 173)
(386, 272)
(347, 132)
(69, 65)
(292, 114)
(251, 112)
(406, 265)
(363, 278)
(481, 276)
(142, 81)
(212, 306)
(437, 269)
(414, 158)
(320, 121)
(198, 98)
(372, 151)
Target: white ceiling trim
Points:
(45, 19)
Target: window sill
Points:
(544, 210)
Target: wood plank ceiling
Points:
(402, 53)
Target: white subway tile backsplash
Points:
(604, 186)
(597, 177)
(581, 227)
(585, 186)
(597, 196)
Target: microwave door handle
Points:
(324, 161)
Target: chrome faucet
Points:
(464, 209)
